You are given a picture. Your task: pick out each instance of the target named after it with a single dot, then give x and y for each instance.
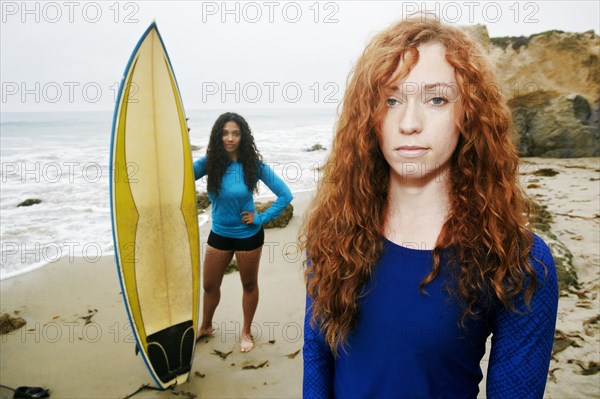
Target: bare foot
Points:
(247, 343)
(205, 332)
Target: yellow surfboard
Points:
(153, 203)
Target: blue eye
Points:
(438, 101)
(391, 102)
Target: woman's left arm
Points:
(279, 188)
(522, 341)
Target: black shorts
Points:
(236, 244)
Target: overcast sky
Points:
(70, 55)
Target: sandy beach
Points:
(77, 341)
(572, 197)
(56, 349)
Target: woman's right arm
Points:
(318, 360)
(200, 168)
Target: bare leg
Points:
(248, 262)
(215, 262)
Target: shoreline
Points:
(203, 219)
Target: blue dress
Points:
(409, 345)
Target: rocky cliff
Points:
(552, 82)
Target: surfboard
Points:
(154, 216)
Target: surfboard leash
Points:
(149, 388)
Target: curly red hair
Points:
(487, 223)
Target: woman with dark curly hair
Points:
(234, 166)
(418, 241)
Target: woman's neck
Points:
(417, 210)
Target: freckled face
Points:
(418, 134)
(232, 136)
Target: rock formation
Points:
(280, 221)
(552, 83)
(29, 202)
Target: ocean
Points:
(62, 159)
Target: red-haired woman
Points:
(418, 240)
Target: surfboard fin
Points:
(137, 350)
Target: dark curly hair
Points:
(217, 158)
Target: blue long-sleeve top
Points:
(234, 197)
(409, 345)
